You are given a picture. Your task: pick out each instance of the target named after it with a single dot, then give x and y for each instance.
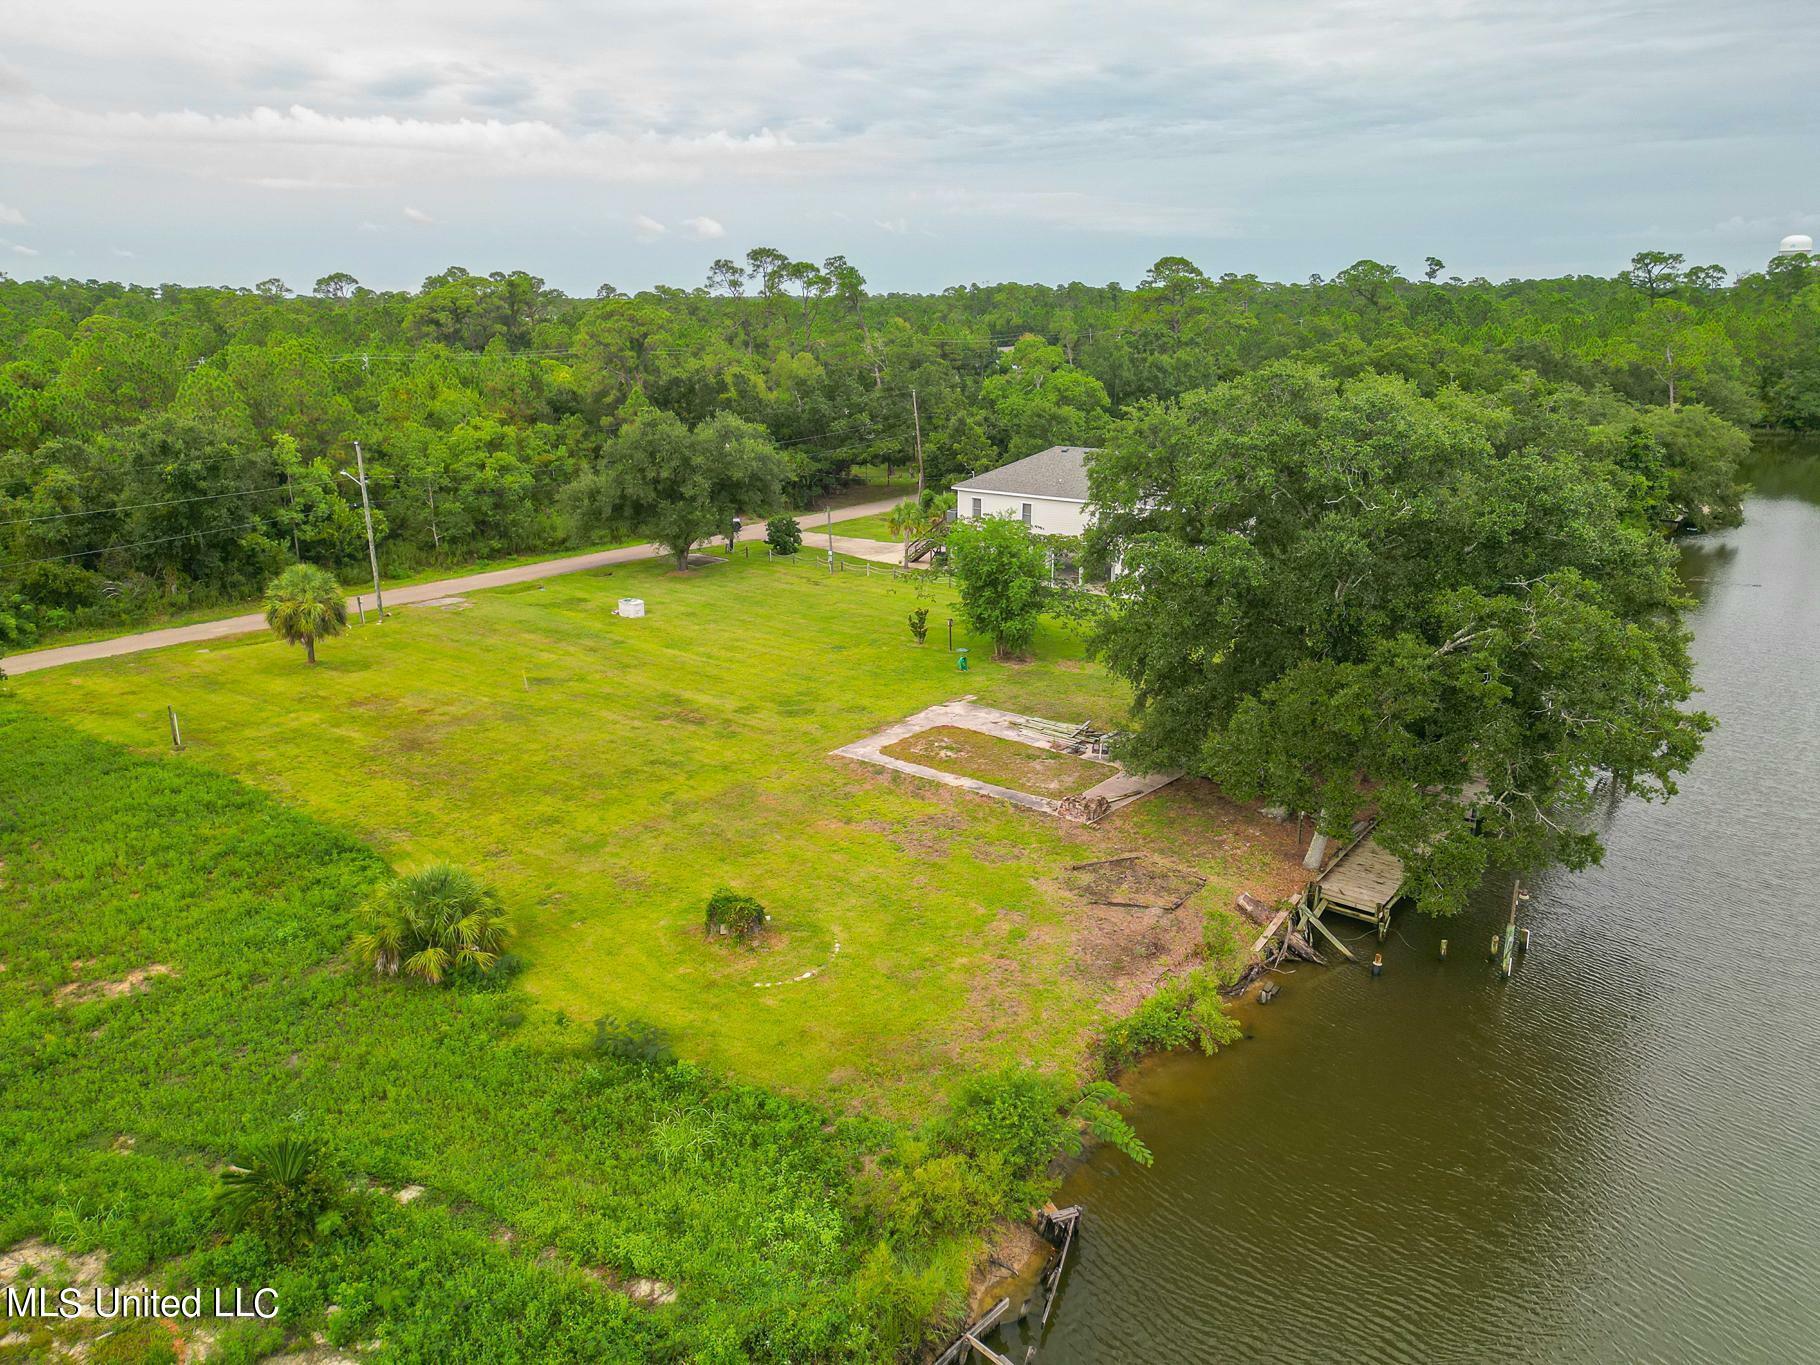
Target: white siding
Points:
(1048, 517)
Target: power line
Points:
(137, 506)
(273, 488)
(798, 440)
(133, 545)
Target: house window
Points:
(1026, 514)
(976, 509)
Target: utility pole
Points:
(830, 524)
(916, 417)
(366, 508)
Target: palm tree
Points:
(305, 604)
(431, 922)
(913, 519)
(904, 521)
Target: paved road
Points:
(254, 622)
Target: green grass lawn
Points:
(870, 485)
(866, 528)
(608, 774)
(551, 1172)
(218, 611)
(1022, 767)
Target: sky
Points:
(932, 144)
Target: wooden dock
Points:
(1364, 882)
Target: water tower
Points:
(1795, 244)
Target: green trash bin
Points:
(960, 658)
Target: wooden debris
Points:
(1051, 1223)
(1138, 882)
(1270, 932)
(1254, 909)
(963, 1345)
(1328, 934)
(1084, 810)
(992, 1356)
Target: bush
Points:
(1183, 1013)
(730, 912)
(783, 535)
(1012, 1123)
(286, 1194)
(431, 923)
(919, 624)
(1226, 949)
(946, 1194)
(633, 1040)
(1012, 1117)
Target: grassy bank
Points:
(806, 1178)
(608, 774)
(119, 1109)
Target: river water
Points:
(1613, 1157)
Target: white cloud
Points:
(1040, 141)
(708, 229)
(21, 249)
(647, 228)
(11, 216)
(124, 254)
(299, 147)
(417, 215)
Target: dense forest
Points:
(172, 447)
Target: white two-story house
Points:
(1047, 491)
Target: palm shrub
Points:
(432, 922)
(286, 1193)
(305, 604)
(734, 913)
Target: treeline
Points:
(169, 447)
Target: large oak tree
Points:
(679, 487)
(1345, 597)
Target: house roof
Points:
(1059, 472)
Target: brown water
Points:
(1613, 1157)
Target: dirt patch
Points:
(649, 1292)
(134, 982)
(1134, 881)
(48, 1260)
(1002, 762)
(1008, 1268)
(1127, 953)
(1198, 823)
